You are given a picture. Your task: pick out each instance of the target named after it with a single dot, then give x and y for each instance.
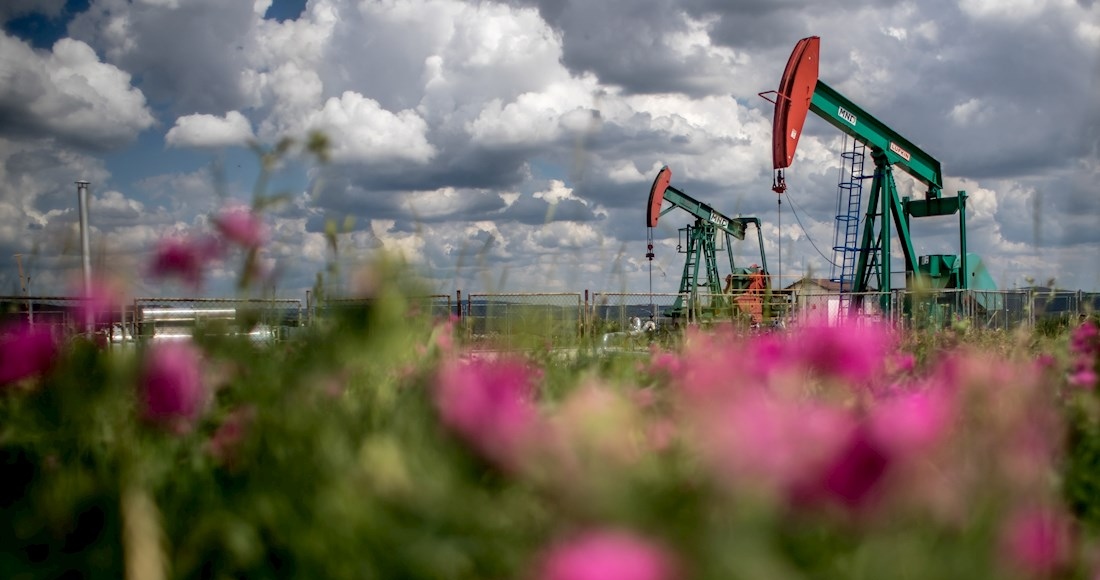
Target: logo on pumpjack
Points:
(899, 151)
(846, 115)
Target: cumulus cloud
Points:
(523, 135)
(210, 131)
(68, 94)
(360, 130)
(190, 55)
(113, 207)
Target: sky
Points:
(510, 145)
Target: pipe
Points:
(85, 253)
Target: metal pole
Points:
(964, 268)
(82, 198)
(779, 225)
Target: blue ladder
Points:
(848, 202)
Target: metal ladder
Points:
(849, 199)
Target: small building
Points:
(822, 297)
(815, 297)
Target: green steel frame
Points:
(701, 238)
(884, 206)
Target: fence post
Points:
(583, 307)
(584, 316)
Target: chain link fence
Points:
(808, 307)
(435, 306)
(536, 319)
(986, 309)
(631, 320)
(523, 318)
(615, 311)
(59, 312)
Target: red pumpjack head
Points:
(657, 196)
(792, 103)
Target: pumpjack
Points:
(865, 259)
(745, 288)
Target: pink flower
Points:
(855, 353)
(1036, 540)
(896, 429)
(241, 225)
(759, 439)
(911, 422)
(172, 391)
(183, 258)
(25, 351)
(488, 403)
(664, 364)
(608, 555)
(1083, 376)
(711, 366)
(1046, 361)
(903, 362)
(852, 478)
(1085, 338)
(1084, 346)
(225, 443)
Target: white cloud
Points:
(534, 118)
(896, 32)
(408, 246)
(1088, 30)
(556, 236)
(970, 112)
(557, 192)
(180, 194)
(440, 203)
(360, 130)
(694, 40)
(929, 31)
(188, 54)
(260, 6)
(1017, 10)
(627, 172)
(114, 204)
(69, 93)
(210, 131)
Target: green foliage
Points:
(344, 471)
